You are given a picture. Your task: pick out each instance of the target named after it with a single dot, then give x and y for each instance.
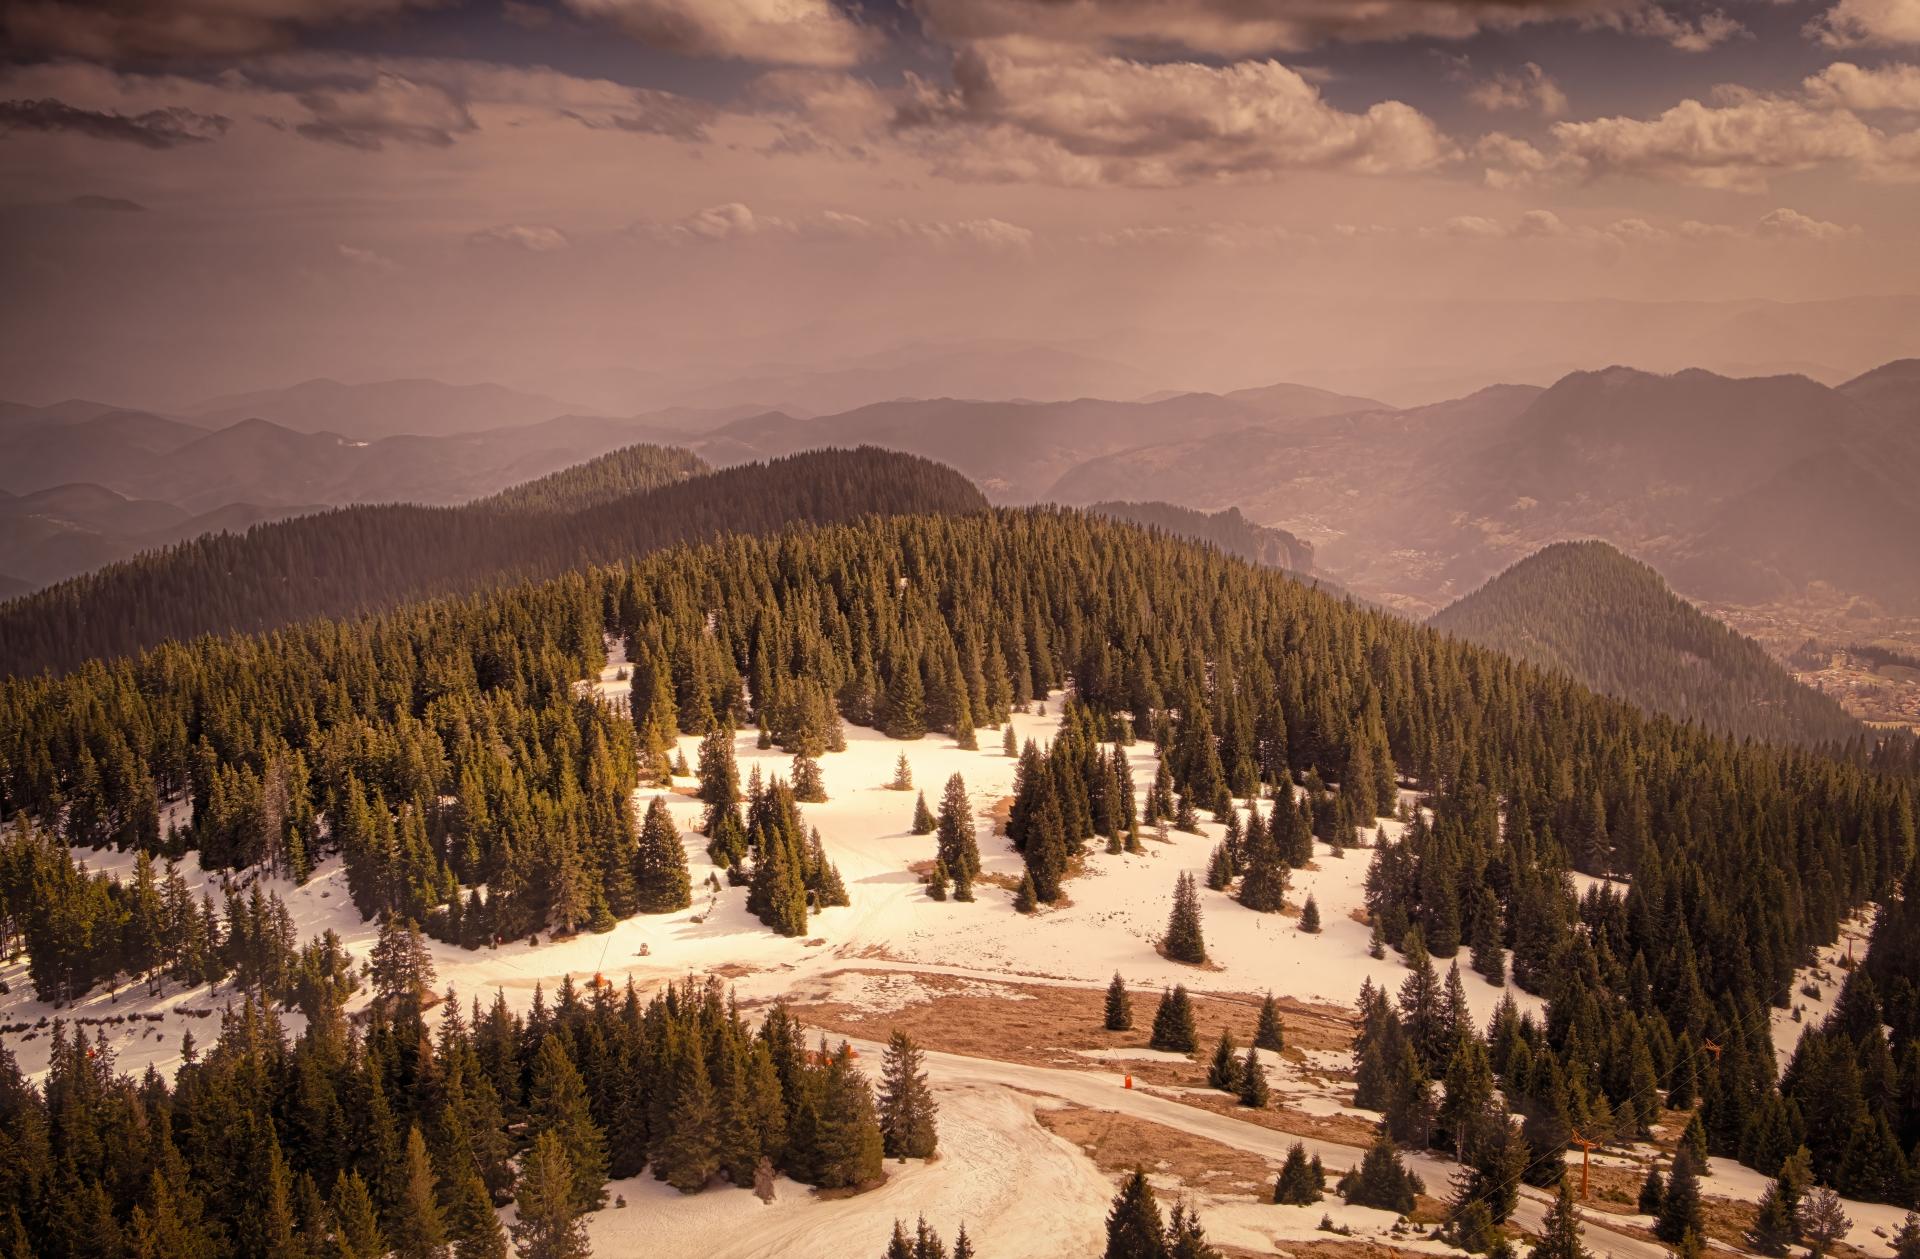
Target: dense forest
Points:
(1227, 529)
(1611, 622)
(614, 475)
(360, 559)
(476, 789)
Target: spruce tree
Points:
(1270, 1033)
(1560, 1233)
(1184, 942)
(957, 844)
(908, 1113)
(923, 822)
(356, 1229)
(903, 777)
(1310, 916)
(1296, 1184)
(1173, 1030)
(1906, 1240)
(1653, 1192)
(1774, 1226)
(1025, 898)
(1186, 1239)
(1680, 1210)
(418, 1230)
(661, 881)
(1135, 1229)
(1382, 1180)
(1253, 1080)
(548, 1224)
(557, 1103)
(1823, 1222)
(1224, 1071)
(1119, 1006)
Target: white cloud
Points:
(776, 32)
(1092, 120)
(365, 259)
(738, 221)
(534, 238)
(129, 29)
(1528, 88)
(1793, 225)
(1879, 22)
(1847, 86)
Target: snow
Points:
(1022, 1191)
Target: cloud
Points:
(1847, 86)
(1791, 224)
(774, 32)
(738, 221)
(386, 108)
(365, 259)
(534, 238)
(1246, 28)
(114, 30)
(1851, 23)
(1740, 143)
(166, 128)
(1529, 88)
(1094, 120)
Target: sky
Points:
(203, 196)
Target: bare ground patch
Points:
(1119, 1143)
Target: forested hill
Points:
(1613, 623)
(471, 786)
(359, 559)
(1228, 530)
(616, 474)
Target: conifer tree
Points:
(938, 882)
(548, 1224)
(809, 787)
(1223, 1072)
(1653, 1191)
(418, 1230)
(356, 1229)
(1560, 1234)
(1186, 1239)
(908, 1113)
(1119, 1006)
(963, 1244)
(1173, 1030)
(1310, 916)
(475, 1225)
(1296, 1184)
(1775, 1227)
(1184, 942)
(557, 1103)
(1135, 1229)
(1680, 1210)
(1823, 1221)
(1270, 1033)
(923, 823)
(1906, 1239)
(661, 881)
(1253, 1080)
(903, 776)
(957, 845)
(1025, 898)
(1382, 1180)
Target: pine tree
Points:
(1310, 916)
(1135, 1229)
(475, 1225)
(957, 844)
(1185, 1238)
(548, 1224)
(688, 1153)
(938, 882)
(1560, 1233)
(1184, 942)
(557, 1103)
(1680, 1210)
(1296, 1184)
(1173, 1030)
(356, 1229)
(1119, 1006)
(1253, 1080)
(1224, 1072)
(661, 881)
(809, 787)
(418, 1230)
(923, 823)
(1382, 1180)
(1774, 1226)
(1270, 1033)
(908, 1113)
(1025, 899)
(903, 777)
(1823, 1222)
(1906, 1240)
(1653, 1192)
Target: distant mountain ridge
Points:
(387, 408)
(1589, 610)
(1232, 532)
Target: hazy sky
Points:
(198, 196)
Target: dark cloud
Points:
(155, 129)
(114, 30)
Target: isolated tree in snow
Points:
(1025, 898)
(1823, 1222)
(923, 822)
(1184, 942)
(1119, 1006)
(938, 882)
(1135, 1229)
(902, 775)
(808, 785)
(908, 1113)
(958, 848)
(402, 964)
(661, 882)
(1263, 886)
(1310, 916)
(548, 1226)
(1173, 1022)
(1270, 1033)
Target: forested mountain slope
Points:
(470, 783)
(357, 559)
(1610, 621)
(616, 474)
